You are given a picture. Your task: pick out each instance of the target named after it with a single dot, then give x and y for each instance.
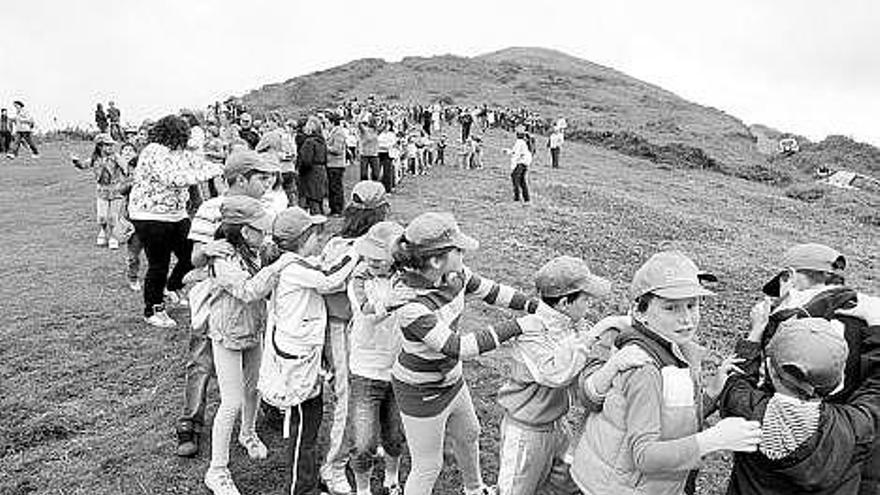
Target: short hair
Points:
(818, 277)
(643, 301)
(297, 242)
(171, 131)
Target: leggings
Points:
(424, 437)
(237, 374)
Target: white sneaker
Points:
(134, 285)
(113, 244)
(219, 481)
(176, 298)
(101, 240)
(335, 480)
(255, 447)
(160, 319)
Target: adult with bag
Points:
(311, 164)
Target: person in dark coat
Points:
(311, 165)
(101, 119)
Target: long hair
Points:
(408, 256)
(170, 131)
(232, 234)
(357, 221)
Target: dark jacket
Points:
(311, 165)
(250, 136)
(829, 462)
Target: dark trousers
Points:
(519, 183)
(28, 139)
(199, 370)
(302, 449)
(160, 239)
(5, 141)
(386, 165)
(554, 157)
(374, 419)
(465, 132)
(335, 191)
(440, 156)
(370, 168)
(288, 183)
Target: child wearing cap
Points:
(808, 444)
(520, 160)
(535, 397)
(427, 377)
(111, 173)
(647, 437)
(290, 381)
(235, 327)
(374, 343)
(368, 205)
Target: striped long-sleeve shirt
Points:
(428, 372)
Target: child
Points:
(535, 398)
(427, 376)
(134, 247)
(441, 150)
(110, 174)
(808, 445)
(374, 345)
(290, 375)
(235, 326)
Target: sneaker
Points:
(176, 298)
(394, 489)
(483, 490)
(219, 481)
(256, 449)
(160, 319)
(134, 285)
(101, 240)
(336, 480)
(187, 442)
(113, 244)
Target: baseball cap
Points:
(377, 242)
(432, 231)
(672, 275)
(292, 222)
(238, 209)
(566, 275)
(104, 138)
(242, 160)
(818, 257)
(809, 354)
(368, 194)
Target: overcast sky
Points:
(807, 66)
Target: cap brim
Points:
(596, 286)
(771, 288)
(368, 249)
(682, 292)
(465, 242)
(263, 223)
(317, 219)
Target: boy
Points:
(808, 444)
(536, 397)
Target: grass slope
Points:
(89, 394)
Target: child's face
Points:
(378, 267)
(577, 309)
(312, 245)
(253, 237)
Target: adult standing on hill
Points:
(555, 145)
(466, 120)
(101, 119)
(23, 126)
(157, 207)
(247, 131)
(5, 131)
(311, 163)
(520, 159)
(369, 149)
(336, 163)
(115, 118)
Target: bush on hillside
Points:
(763, 173)
(809, 192)
(677, 155)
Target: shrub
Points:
(809, 192)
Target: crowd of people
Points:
(282, 308)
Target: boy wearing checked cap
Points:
(809, 444)
(535, 398)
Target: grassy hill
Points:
(592, 97)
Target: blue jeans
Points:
(373, 417)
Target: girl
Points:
(367, 207)
(647, 437)
(427, 376)
(128, 153)
(374, 346)
(235, 327)
(111, 173)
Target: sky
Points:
(810, 67)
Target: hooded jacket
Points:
(832, 459)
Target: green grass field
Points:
(89, 394)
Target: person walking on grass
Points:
(111, 175)
(427, 379)
(157, 207)
(247, 174)
(520, 160)
(23, 127)
(555, 145)
(236, 323)
(311, 165)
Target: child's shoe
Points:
(254, 446)
(134, 285)
(336, 480)
(160, 319)
(113, 244)
(219, 481)
(176, 298)
(101, 240)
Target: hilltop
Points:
(606, 105)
